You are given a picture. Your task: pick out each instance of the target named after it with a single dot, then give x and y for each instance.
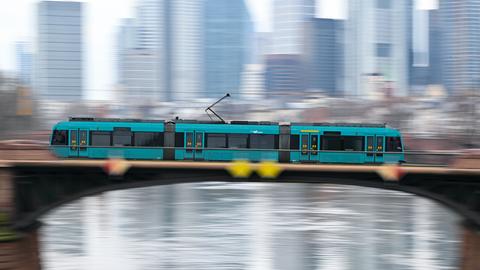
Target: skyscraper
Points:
(137, 65)
(284, 73)
(289, 17)
(253, 82)
(434, 47)
(139, 76)
(323, 55)
(170, 33)
(376, 45)
(228, 36)
(59, 65)
(185, 49)
(460, 45)
(24, 62)
(428, 70)
(126, 40)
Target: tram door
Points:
(370, 155)
(379, 148)
(199, 145)
(309, 147)
(194, 144)
(375, 149)
(78, 143)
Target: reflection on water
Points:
(251, 226)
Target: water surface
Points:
(251, 226)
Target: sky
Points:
(17, 23)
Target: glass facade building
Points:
(377, 45)
(228, 34)
(59, 62)
(284, 73)
(460, 24)
(289, 17)
(169, 32)
(24, 62)
(323, 55)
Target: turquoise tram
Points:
(100, 138)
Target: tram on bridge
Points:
(100, 138)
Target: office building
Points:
(59, 63)
(323, 55)
(228, 36)
(289, 17)
(376, 47)
(460, 41)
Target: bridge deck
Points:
(225, 165)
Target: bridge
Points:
(29, 188)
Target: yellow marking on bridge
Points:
(240, 169)
(269, 169)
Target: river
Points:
(216, 225)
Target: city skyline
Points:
(103, 21)
(99, 75)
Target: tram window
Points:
(394, 144)
(122, 138)
(237, 140)
(332, 143)
(189, 139)
(263, 141)
(353, 143)
(294, 141)
(379, 144)
(370, 143)
(343, 143)
(100, 138)
(148, 138)
(216, 140)
(179, 139)
(199, 139)
(60, 137)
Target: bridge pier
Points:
(21, 252)
(7, 192)
(18, 250)
(470, 248)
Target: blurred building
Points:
(200, 48)
(228, 36)
(171, 32)
(460, 26)
(186, 51)
(434, 47)
(59, 62)
(24, 58)
(289, 17)
(284, 73)
(376, 42)
(323, 55)
(126, 41)
(253, 82)
(262, 45)
(140, 83)
(16, 106)
(426, 66)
